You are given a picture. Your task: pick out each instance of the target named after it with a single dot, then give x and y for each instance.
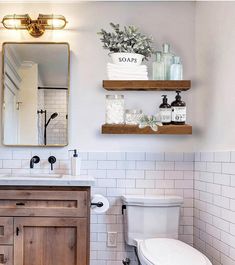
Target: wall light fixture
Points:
(35, 27)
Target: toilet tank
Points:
(150, 217)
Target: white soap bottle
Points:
(75, 163)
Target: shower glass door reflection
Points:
(52, 116)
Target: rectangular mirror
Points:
(35, 94)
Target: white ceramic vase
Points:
(127, 59)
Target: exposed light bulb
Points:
(12, 23)
(56, 23)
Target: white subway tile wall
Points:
(214, 211)
(117, 173)
(205, 180)
(53, 100)
(136, 173)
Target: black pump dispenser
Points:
(164, 100)
(178, 97)
(178, 108)
(165, 111)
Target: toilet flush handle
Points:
(123, 208)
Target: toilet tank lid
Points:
(158, 200)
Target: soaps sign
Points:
(122, 58)
(127, 60)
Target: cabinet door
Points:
(6, 255)
(6, 230)
(50, 241)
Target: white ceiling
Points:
(52, 60)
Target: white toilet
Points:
(151, 224)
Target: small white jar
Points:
(133, 116)
(114, 109)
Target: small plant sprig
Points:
(127, 40)
(151, 121)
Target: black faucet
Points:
(52, 161)
(34, 160)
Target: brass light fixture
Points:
(37, 27)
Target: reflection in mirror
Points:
(35, 100)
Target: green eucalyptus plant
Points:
(127, 40)
(152, 121)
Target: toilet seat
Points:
(166, 251)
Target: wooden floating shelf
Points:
(134, 129)
(147, 85)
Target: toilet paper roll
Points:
(99, 198)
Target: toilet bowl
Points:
(166, 251)
(151, 224)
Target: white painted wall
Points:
(215, 86)
(11, 114)
(210, 101)
(28, 95)
(166, 21)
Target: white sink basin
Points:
(46, 180)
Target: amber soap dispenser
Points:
(178, 108)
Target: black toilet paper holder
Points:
(97, 204)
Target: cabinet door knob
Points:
(17, 231)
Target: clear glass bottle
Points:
(176, 69)
(133, 116)
(114, 109)
(158, 67)
(167, 59)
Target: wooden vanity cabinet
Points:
(44, 226)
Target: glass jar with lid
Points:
(114, 109)
(133, 116)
